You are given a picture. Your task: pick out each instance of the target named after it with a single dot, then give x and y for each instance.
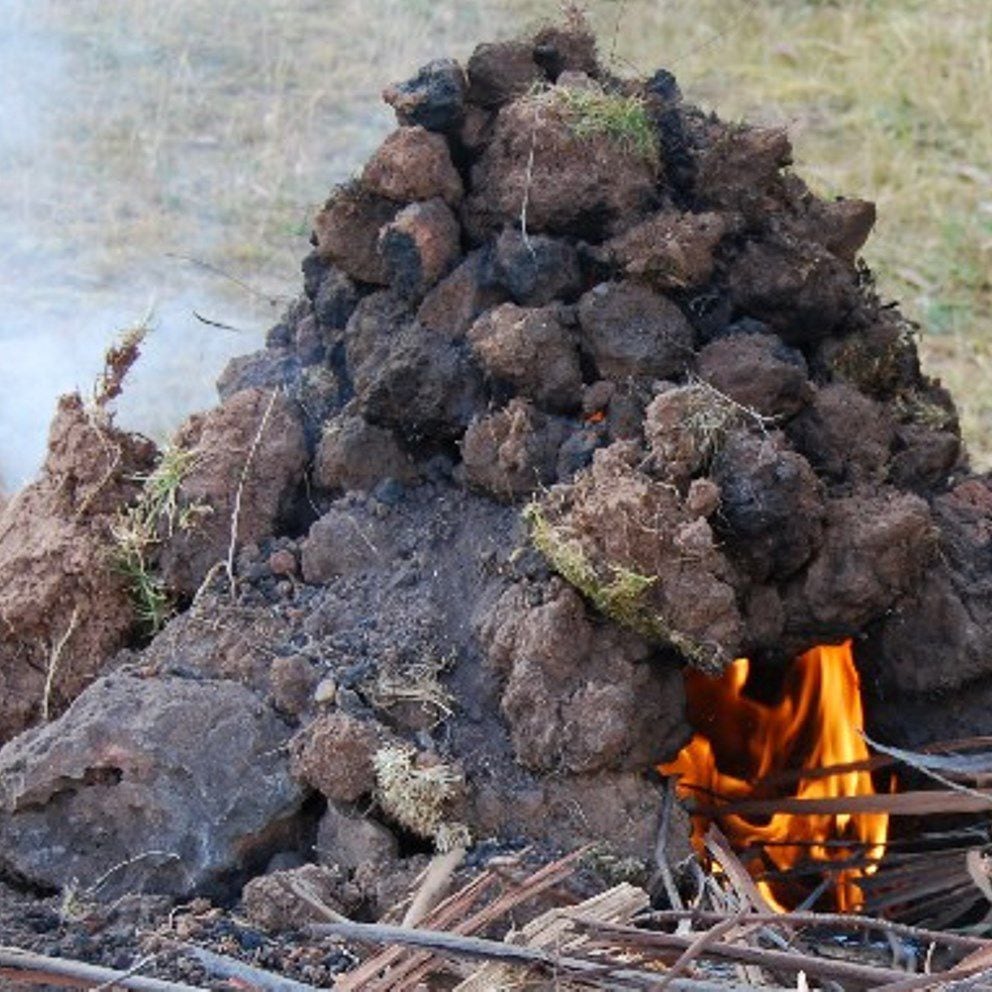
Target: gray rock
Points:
(158, 785)
(348, 839)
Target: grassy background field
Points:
(184, 129)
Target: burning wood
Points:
(741, 744)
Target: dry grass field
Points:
(210, 129)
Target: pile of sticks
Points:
(726, 938)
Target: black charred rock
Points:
(536, 270)
(434, 98)
(335, 299)
(771, 505)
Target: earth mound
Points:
(584, 386)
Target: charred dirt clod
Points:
(419, 246)
(413, 164)
(434, 98)
(530, 352)
(629, 330)
(576, 176)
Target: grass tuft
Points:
(622, 119)
(140, 528)
(621, 597)
(417, 684)
(416, 795)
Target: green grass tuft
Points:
(621, 598)
(156, 515)
(623, 119)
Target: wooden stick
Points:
(842, 920)
(787, 960)
(222, 966)
(80, 974)
(915, 803)
(457, 945)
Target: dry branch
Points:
(222, 966)
(39, 969)
(789, 961)
(917, 803)
(457, 945)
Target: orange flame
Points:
(742, 743)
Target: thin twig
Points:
(663, 871)
(792, 961)
(305, 891)
(528, 178)
(844, 921)
(721, 851)
(222, 966)
(236, 513)
(698, 947)
(914, 803)
(17, 964)
(273, 301)
(908, 758)
(430, 890)
(217, 323)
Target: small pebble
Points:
(325, 692)
(282, 562)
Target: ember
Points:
(745, 749)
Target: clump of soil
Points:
(65, 607)
(584, 386)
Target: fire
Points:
(742, 745)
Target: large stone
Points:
(148, 784)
